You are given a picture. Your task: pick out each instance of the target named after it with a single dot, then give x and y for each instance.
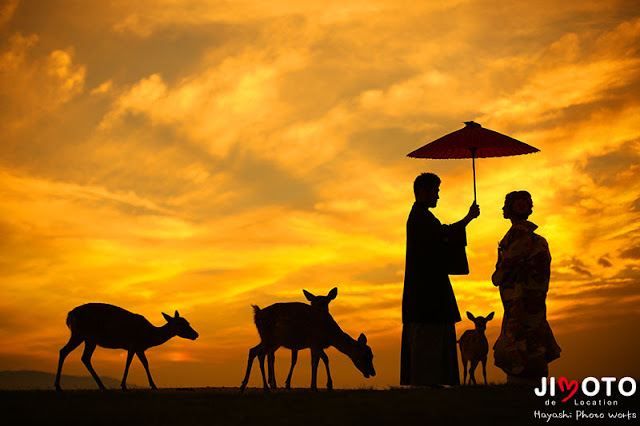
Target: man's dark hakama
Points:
(429, 311)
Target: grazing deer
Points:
(322, 304)
(474, 347)
(299, 326)
(108, 326)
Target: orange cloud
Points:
(199, 157)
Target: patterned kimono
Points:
(526, 343)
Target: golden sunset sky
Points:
(204, 155)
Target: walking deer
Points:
(474, 347)
(108, 326)
(299, 326)
(321, 303)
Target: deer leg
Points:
(315, 359)
(484, 370)
(89, 347)
(269, 372)
(325, 359)
(271, 359)
(253, 352)
(123, 385)
(261, 356)
(294, 360)
(472, 370)
(143, 359)
(464, 366)
(73, 343)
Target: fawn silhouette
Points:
(108, 326)
(474, 347)
(299, 326)
(322, 304)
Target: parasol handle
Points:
(473, 160)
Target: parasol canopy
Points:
(473, 141)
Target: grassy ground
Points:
(474, 406)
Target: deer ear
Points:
(490, 316)
(470, 316)
(310, 297)
(362, 339)
(167, 317)
(177, 315)
(333, 293)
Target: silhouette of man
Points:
(429, 311)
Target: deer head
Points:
(480, 322)
(362, 357)
(180, 326)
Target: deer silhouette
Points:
(474, 347)
(322, 304)
(108, 326)
(299, 326)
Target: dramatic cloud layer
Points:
(204, 155)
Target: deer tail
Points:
(256, 311)
(71, 320)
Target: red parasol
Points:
(473, 141)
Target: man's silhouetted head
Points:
(426, 188)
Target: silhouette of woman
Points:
(429, 311)
(526, 344)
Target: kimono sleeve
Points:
(455, 243)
